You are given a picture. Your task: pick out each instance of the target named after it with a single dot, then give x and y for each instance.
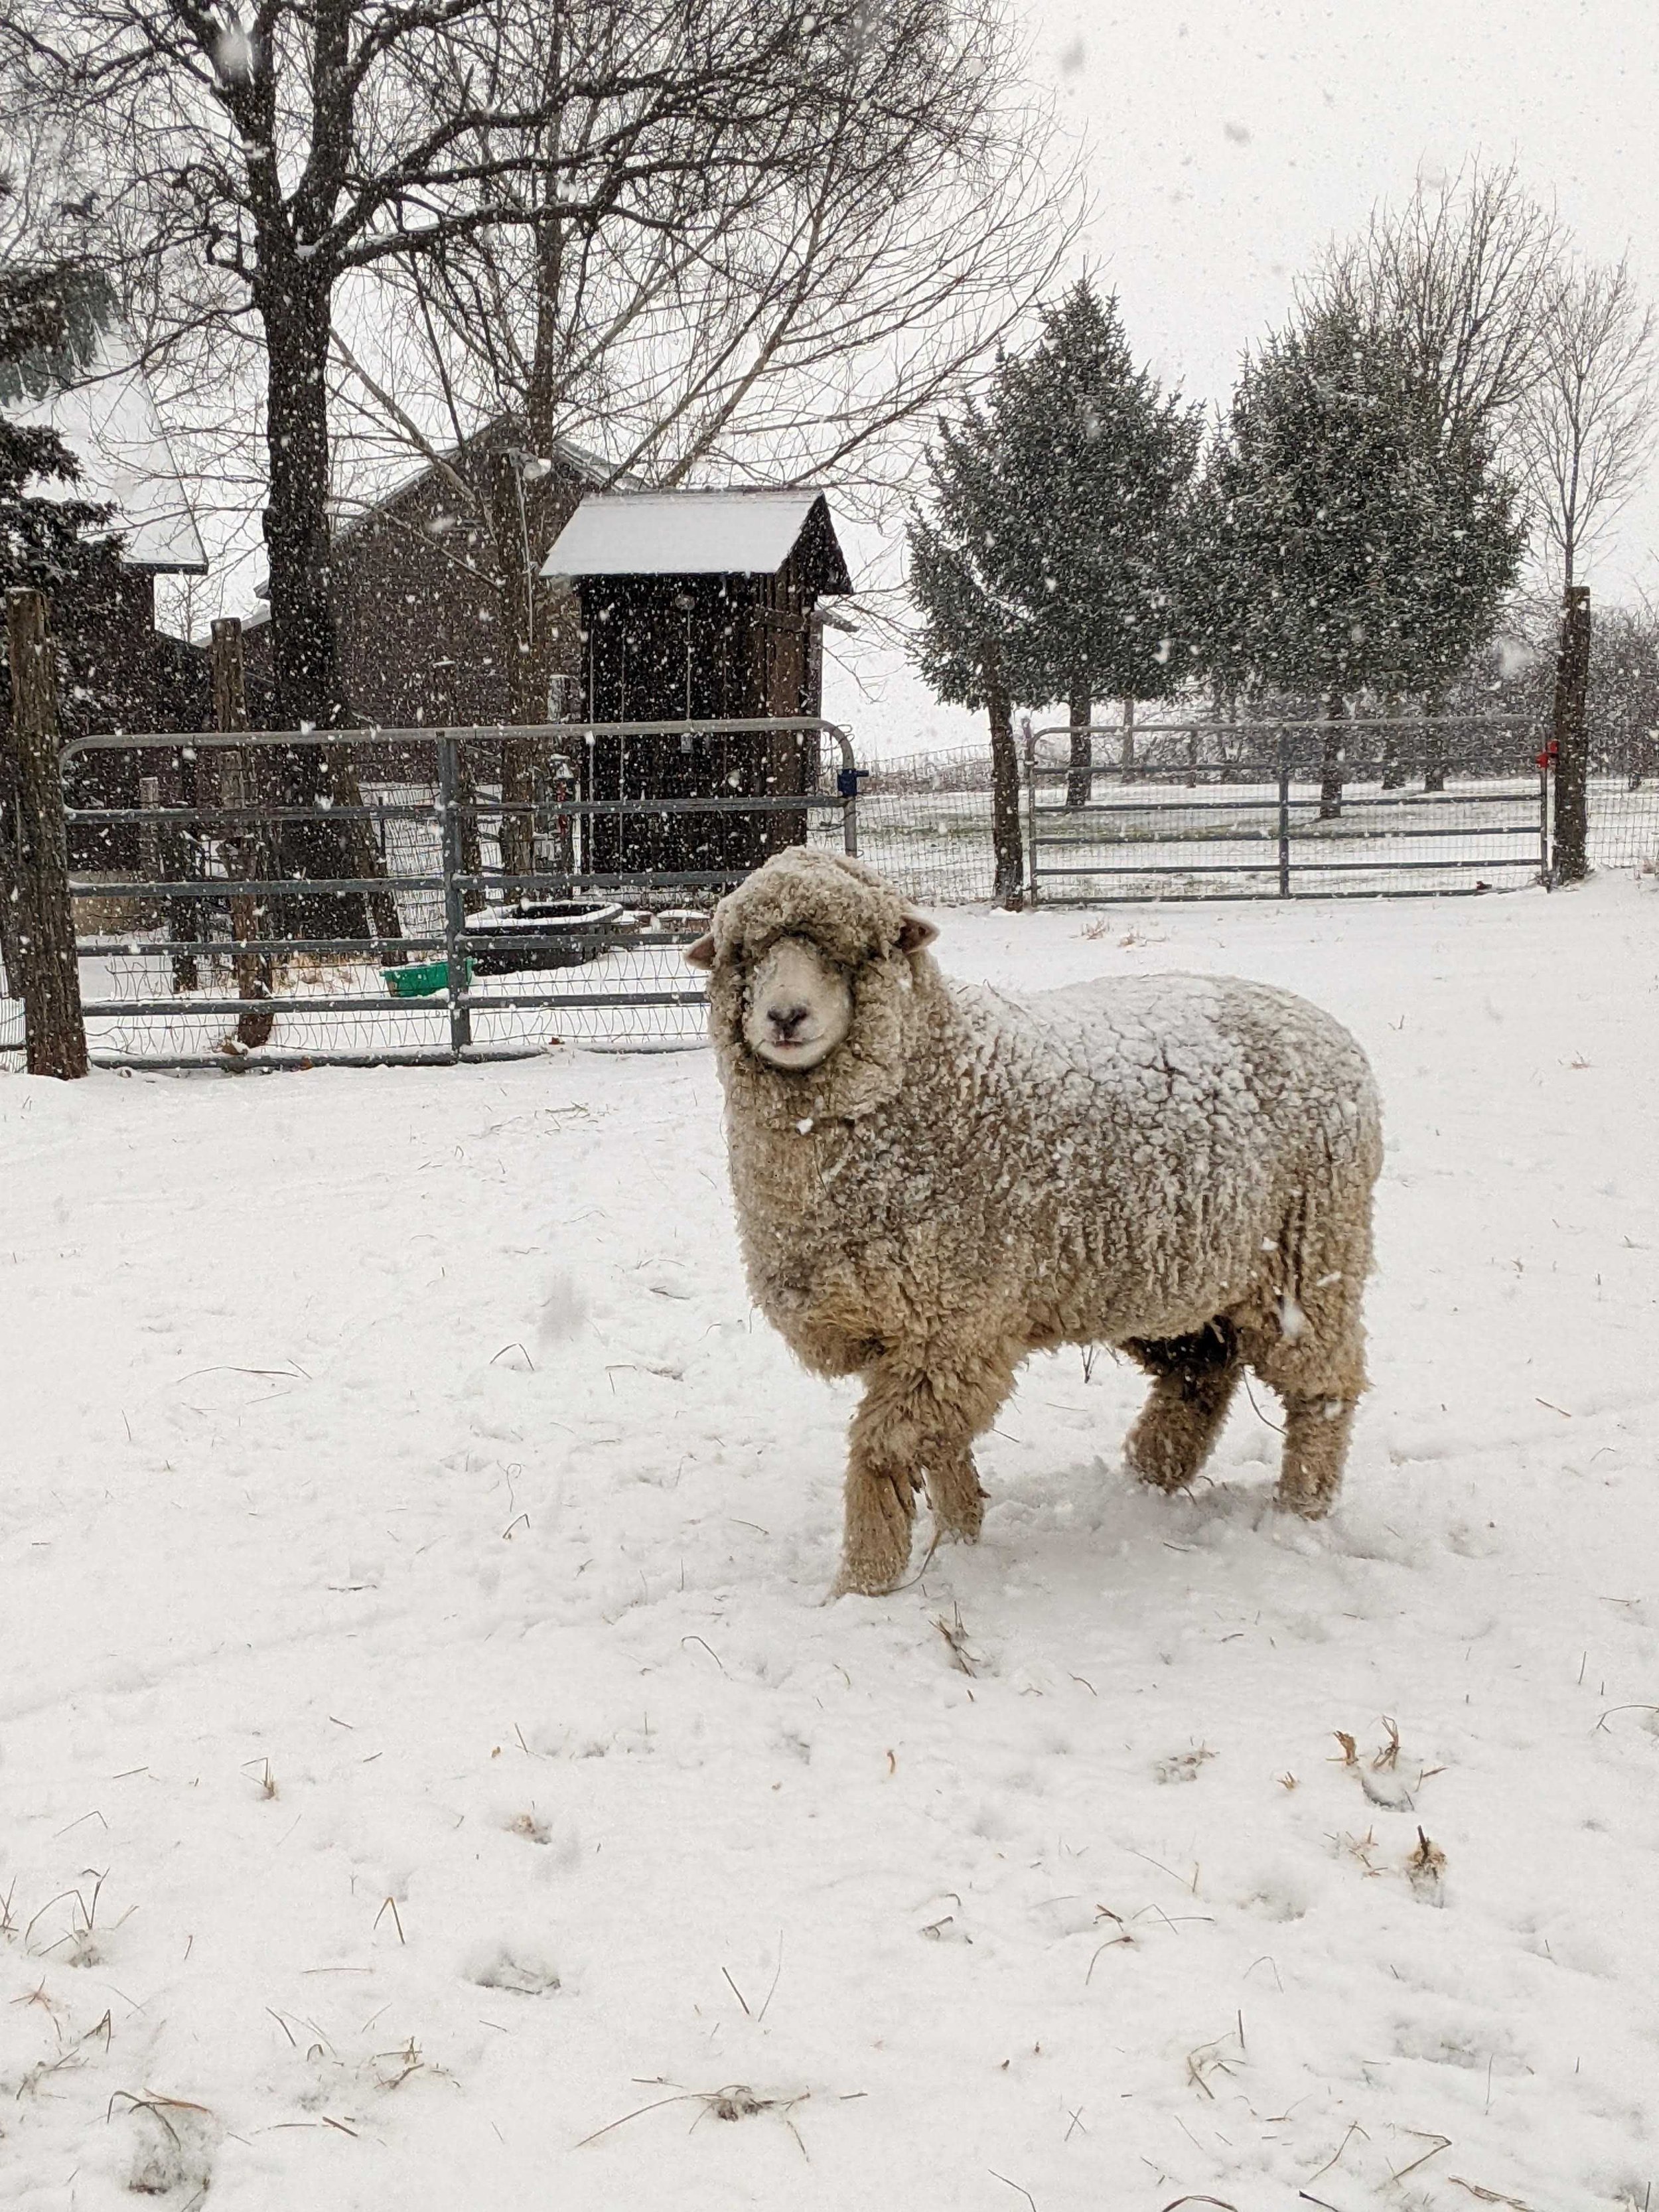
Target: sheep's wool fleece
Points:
(1118, 1160)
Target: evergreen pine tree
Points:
(1350, 540)
(56, 543)
(48, 323)
(1094, 466)
(975, 648)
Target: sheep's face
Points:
(811, 962)
(797, 1005)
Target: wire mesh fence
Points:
(1327, 809)
(385, 900)
(165, 960)
(925, 821)
(1624, 822)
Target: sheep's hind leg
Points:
(1318, 1370)
(1316, 1431)
(1194, 1378)
(954, 1493)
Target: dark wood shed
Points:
(705, 604)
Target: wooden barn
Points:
(704, 604)
(423, 611)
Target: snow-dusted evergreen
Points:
(1345, 540)
(1052, 544)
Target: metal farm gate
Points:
(1270, 810)
(209, 935)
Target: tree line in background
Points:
(1456, 384)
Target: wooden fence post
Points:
(1570, 858)
(54, 1030)
(249, 847)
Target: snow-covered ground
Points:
(429, 1777)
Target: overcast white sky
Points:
(1229, 139)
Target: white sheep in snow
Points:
(933, 1181)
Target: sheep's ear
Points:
(915, 933)
(702, 954)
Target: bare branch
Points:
(1586, 431)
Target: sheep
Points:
(931, 1182)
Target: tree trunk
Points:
(1126, 758)
(516, 567)
(296, 307)
(1079, 776)
(528, 516)
(1006, 845)
(1394, 754)
(183, 784)
(1434, 744)
(473, 897)
(54, 1030)
(1330, 762)
(11, 888)
(1569, 857)
(245, 843)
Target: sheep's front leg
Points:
(1194, 1378)
(881, 1505)
(916, 1425)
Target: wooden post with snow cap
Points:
(54, 1031)
(1570, 858)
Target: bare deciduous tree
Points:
(305, 142)
(1584, 432)
(807, 323)
(1463, 272)
(295, 147)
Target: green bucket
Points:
(422, 979)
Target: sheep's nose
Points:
(786, 1020)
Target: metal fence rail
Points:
(175, 933)
(215, 951)
(1282, 822)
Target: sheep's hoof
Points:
(1172, 1479)
(1316, 1508)
(867, 1579)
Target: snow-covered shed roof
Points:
(95, 395)
(694, 534)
